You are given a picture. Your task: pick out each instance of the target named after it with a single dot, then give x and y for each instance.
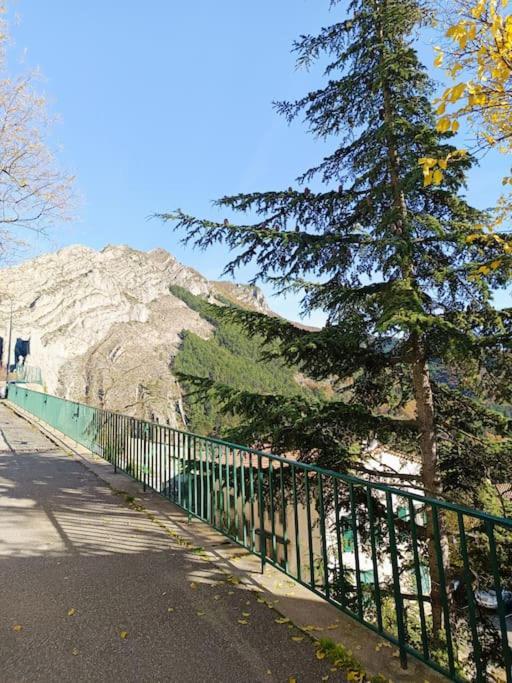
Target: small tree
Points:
(387, 258)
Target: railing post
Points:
(144, 458)
(115, 442)
(189, 481)
(263, 540)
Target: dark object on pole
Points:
(21, 349)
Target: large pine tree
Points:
(388, 259)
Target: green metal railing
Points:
(432, 577)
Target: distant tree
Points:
(387, 258)
(34, 192)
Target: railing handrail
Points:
(348, 478)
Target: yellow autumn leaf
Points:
(123, 635)
(297, 639)
(243, 621)
(443, 164)
(17, 628)
(200, 613)
(71, 612)
(355, 676)
(437, 177)
(282, 620)
(496, 264)
(320, 654)
(292, 679)
(443, 125)
(455, 126)
(439, 58)
(246, 614)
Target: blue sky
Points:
(168, 104)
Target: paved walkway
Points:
(92, 590)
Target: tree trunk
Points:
(420, 373)
(429, 475)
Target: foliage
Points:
(478, 57)
(230, 357)
(33, 191)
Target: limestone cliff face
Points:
(104, 327)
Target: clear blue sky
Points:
(167, 104)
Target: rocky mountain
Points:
(104, 326)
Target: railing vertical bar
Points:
(241, 458)
(272, 511)
(201, 478)
(396, 580)
(235, 493)
(296, 522)
(283, 515)
(442, 590)
(339, 546)
(417, 573)
(323, 536)
(221, 489)
(263, 537)
(480, 675)
(181, 469)
(189, 473)
(193, 471)
(353, 523)
(310, 533)
(376, 581)
(251, 494)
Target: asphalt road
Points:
(92, 590)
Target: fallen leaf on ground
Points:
(71, 612)
(320, 654)
(75, 651)
(123, 635)
(282, 620)
(243, 621)
(193, 586)
(200, 614)
(17, 628)
(170, 609)
(246, 614)
(297, 639)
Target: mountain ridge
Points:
(105, 327)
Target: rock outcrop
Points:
(104, 327)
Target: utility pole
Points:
(8, 353)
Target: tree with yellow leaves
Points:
(478, 57)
